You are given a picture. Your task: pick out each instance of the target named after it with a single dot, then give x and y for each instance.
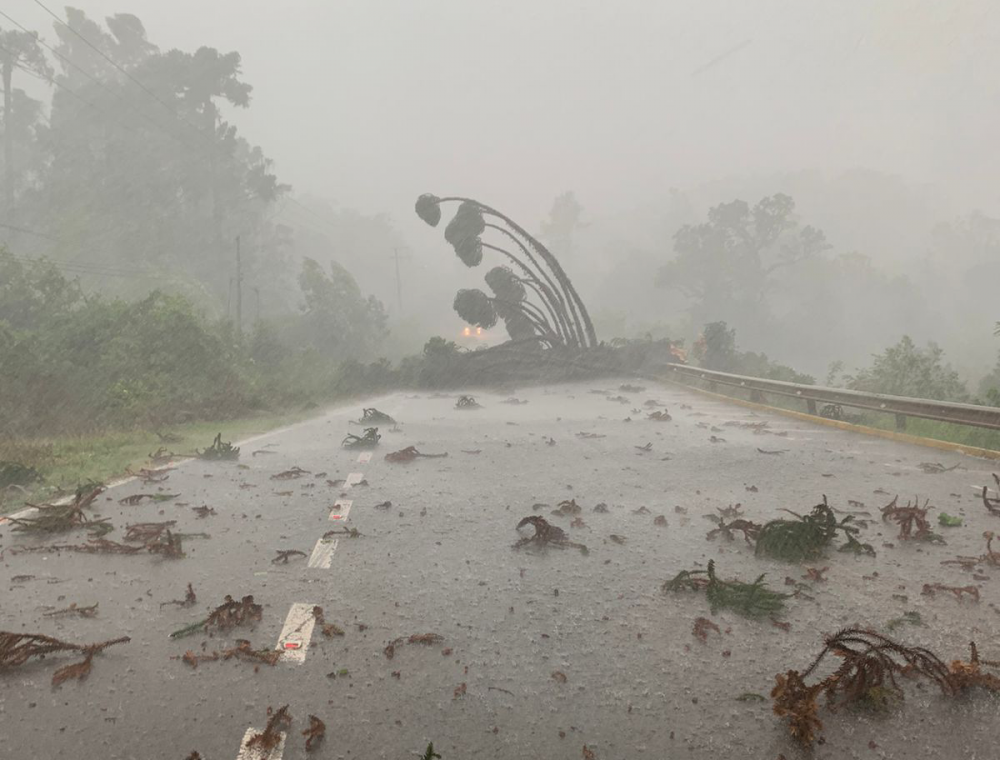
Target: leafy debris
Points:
(285, 554)
(930, 589)
(806, 536)
(328, 629)
(545, 535)
(138, 498)
(292, 474)
(467, 402)
(73, 609)
(702, 626)
(947, 521)
(18, 648)
(409, 454)
(59, 518)
(315, 733)
(368, 440)
(189, 600)
(417, 638)
(372, 416)
(866, 677)
(752, 600)
(229, 614)
(910, 517)
(219, 450)
(270, 738)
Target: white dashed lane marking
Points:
(253, 753)
(364, 457)
(322, 553)
(341, 509)
(293, 643)
(353, 479)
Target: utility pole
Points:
(8, 136)
(399, 284)
(239, 289)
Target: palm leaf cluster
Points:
(535, 299)
(753, 600)
(806, 537)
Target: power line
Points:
(96, 81)
(29, 232)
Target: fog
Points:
(877, 120)
(378, 365)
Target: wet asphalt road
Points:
(440, 559)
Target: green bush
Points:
(906, 370)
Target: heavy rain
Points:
(474, 379)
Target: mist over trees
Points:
(124, 167)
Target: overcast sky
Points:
(370, 102)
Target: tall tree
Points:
(18, 50)
(563, 222)
(726, 265)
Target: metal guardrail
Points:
(833, 399)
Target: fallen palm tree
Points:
(410, 454)
(17, 648)
(866, 677)
(752, 600)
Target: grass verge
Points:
(64, 462)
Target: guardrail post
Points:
(811, 406)
(713, 386)
(756, 396)
(900, 422)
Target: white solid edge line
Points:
(322, 553)
(248, 753)
(341, 509)
(293, 643)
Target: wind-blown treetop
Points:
(556, 316)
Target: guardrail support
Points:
(811, 406)
(756, 396)
(900, 422)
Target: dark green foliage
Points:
(908, 618)
(427, 208)
(430, 754)
(505, 285)
(807, 536)
(374, 417)
(948, 521)
(463, 233)
(906, 370)
(475, 307)
(753, 600)
(368, 440)
(16, 474)
(716, 349)
(220, 450)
